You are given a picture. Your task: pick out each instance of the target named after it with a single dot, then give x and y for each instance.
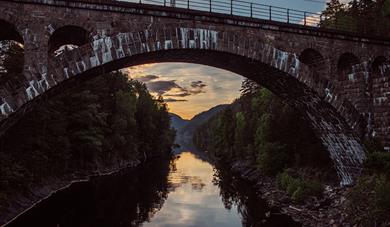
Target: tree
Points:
(367, 17)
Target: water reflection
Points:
(125, 199)
(185, 192)
(193, 199)
(236, 192)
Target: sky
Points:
(190, 89)
(187, 88)
(305, 5)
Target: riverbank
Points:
(21, 202)
(326, 211)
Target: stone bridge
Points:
(340, 82)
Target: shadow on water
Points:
(239, 193)
(128, 198)
(188, 191)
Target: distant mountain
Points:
(188, 130)
(177, 122)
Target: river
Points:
(188, 191)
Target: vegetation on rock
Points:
(369, 199)
(297, 188)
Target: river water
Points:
(188, 191)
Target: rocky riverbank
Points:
(20, 202)
(326, 211)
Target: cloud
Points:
(197, 87)
(169, 88)
(312, 20)
(147, 78)
(175, 100)
(198, 84)
(181, 93)
(162, 86)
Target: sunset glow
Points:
(188, 88)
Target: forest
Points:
(107, 121)
(261, 128)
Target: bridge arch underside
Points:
(343, 146)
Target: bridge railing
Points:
(265, 12)
(242, 8)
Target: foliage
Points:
(370, 17)
(249, 87)
(107, 121)
(369, 200)
(259, 126)
(297, 188)
(273, 157)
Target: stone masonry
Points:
(340, 82)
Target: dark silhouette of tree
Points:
(261, 127)
(367, 17)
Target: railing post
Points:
(210, 6)
(304, 18)
(165, 3)
(140, 1)
(288, 16)
(231, 7)
(188, 4)
(251, 10)
(270, 12)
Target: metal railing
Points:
(242, 8)
(262, 11)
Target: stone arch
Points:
(61, 37)
(279, 71)
(318, 65)
(312, 58)
(345, 63)
(9, 31)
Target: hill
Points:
(177, 122)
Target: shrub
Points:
(298, 195)
(297, 188)
(272, 158)
(369, 200)
(283, 180)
